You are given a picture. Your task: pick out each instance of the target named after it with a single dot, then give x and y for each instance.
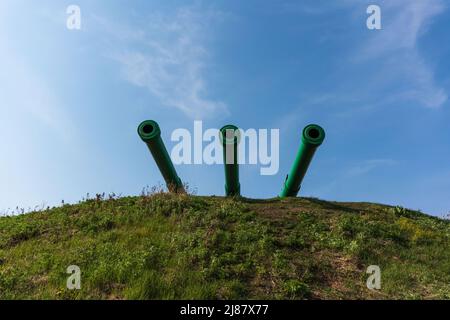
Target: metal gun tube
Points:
(150, 133)
(230, 138)
(312, 137)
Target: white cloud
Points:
(23, 91)
(369, 165)
(394, 70)
(395, 49)
(33, 121)
(168, 57)
(404, 21)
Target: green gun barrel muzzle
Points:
(312, 137)
(150, 133)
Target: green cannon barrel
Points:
(312, 137)
(230, 138)
(150, 133)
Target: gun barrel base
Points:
(150, 133)
(233, 192)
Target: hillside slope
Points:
(186, 247)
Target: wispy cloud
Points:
(168, 57)
(35, 125)
(395, 48)
(402, 74)
(404, 21)
(368, 166)
(25, 92)
(355, 172)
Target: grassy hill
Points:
(187, 247)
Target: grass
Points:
(161, 246)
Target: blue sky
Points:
(70, 101)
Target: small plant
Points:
(297, 290)
(446, 216)
(399, 211)
(150, 191)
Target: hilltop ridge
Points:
(164, 246)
